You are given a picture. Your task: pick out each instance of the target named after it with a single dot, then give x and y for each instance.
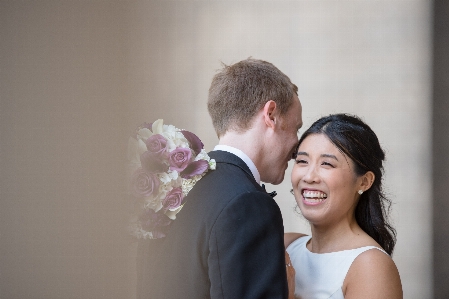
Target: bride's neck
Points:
(333, 238)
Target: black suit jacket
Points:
(227, 242)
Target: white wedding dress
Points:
(321, 275)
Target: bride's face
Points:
(324, 181)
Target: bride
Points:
(337, 185)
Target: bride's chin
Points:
(311, 214)
(313, 220)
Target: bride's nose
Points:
(311, 175)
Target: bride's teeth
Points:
(314, 196)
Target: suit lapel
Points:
(226, 157)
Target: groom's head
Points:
(239, 91)
(257, 106)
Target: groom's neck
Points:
(247, 142)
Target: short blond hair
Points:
(239, 91)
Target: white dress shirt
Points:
(242, 156)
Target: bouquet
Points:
(164, 165)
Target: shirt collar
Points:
(242, 156)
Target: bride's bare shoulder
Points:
(373, 274)
(290, 237)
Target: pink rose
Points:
(156, 144)
(144, 184)
(179, 159)
(173, 199)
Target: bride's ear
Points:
(270, 114)
(367, 180)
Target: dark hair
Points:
(357, 141)
(240, 90)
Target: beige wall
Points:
(63, 129)
(77, 77)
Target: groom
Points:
(227, 242)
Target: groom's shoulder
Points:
(230, 172)
(228, 163)
(221, 156)
(229, 179)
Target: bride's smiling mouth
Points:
(313, 197)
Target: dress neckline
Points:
(340, 251)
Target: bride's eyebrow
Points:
(329, 156)
(323, 155)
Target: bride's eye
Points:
(301, 161)
(327, 164)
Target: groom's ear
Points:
(270, 114)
